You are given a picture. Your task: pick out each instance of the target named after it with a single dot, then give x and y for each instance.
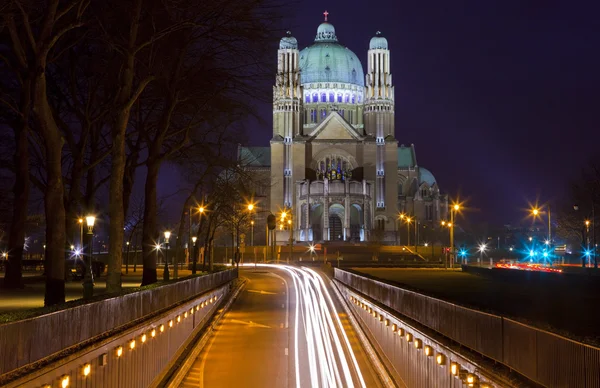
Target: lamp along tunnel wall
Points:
(418, 360)
(134, 358)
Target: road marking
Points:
(262, 292)
(286, 351)
(250, 323)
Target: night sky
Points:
(500, 98)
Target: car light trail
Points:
(329, 356)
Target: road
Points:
(284, 330)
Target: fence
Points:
(543, 357)
(33, 339)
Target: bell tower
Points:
(287, 119)
(379, 117)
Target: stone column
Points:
(326, 209)
(308, 225)
(347, 210)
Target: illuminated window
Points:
(347, 99)
(339, 97)
(354, 98)
(315, 97)
(323, 97)
(331, 97)
(307, 98)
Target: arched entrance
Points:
(316, 215)
(336, 224)
(356, 220)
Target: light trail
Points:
(328, 356)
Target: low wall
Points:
(33, 339)
(541, 356)
(137, 357)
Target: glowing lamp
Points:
(162, 328)
(132, 344)
(87, 368)
(171, 323)
(143, 339)
(456, 207)
(201, 209)
(409, 337)
(394, 328)
(194, 239)
(428, 350)
(250, 207)
(440, 359)
(418, 343)
(153, 333)
(64, 381)
(454, 369)
(178, 318)
(90, 220)
(167, 234)
(119, 351)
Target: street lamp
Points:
(535, 212)
(88, 277)
(195, 251)
(482, 248)
(80, 232)
(166, 270)
(250, 208)
(453, 210)
(408, 221)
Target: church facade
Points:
(334, 162)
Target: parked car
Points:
(75, 268)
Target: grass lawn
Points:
(572, 312)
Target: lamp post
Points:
(455, 208)
(482, 248)
(80, 221)
(195, 251)
(250, 209)
(535, 212)
(157, 249)
(408, 221)
(400, 219)
(88, 276)
(591, 222)
(127, 258)
(166, 270)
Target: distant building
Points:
(333, 158)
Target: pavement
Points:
(32, 295)
(285, 329)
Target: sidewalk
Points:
(32, 295)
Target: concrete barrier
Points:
(33, 339)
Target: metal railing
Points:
(33, 339)
(546, 358)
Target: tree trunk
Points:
(181, 232)
(149, 229)
(54, 194)
(13, 275)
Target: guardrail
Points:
(34, 339)
(541, 356)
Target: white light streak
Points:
(329, 356)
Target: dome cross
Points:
(325, 13)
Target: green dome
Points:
(378, 42)
(288, 42)
(328, 61)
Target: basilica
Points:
(334, 163)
